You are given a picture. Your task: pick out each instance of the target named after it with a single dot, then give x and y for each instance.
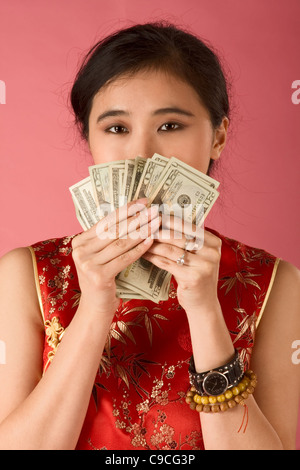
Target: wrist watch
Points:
(216, 381)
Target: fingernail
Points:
(142, 200)
(147, 240)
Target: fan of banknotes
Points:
(176, 187)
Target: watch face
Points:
(215, 383)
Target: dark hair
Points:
(160, 46)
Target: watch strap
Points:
(233, 370)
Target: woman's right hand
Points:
(111, 245)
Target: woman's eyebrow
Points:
(112, 113)
(173, 110)
(157, 112)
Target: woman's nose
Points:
(142, 145)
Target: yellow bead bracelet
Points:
(232, 397)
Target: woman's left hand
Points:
(197, 277)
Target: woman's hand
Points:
(107, 248)
(197, 278)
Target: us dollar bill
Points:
(142, 277)
(88, 214)
(85, 204)
(128, 178)
(179, 190)
(116, 177)
(139, 166)
(151, 174)
(140, 280)
(185, 192)
(100, 181)
(127, 294)
(176, 187)
(146, 280)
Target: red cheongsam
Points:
(138, 399)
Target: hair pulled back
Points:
(159, 46)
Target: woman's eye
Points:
(169, 126)
(117, 130)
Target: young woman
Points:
(87, 370)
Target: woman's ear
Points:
(219, 139)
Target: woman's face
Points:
(152, 112)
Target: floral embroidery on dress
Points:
(161, 434)
(142, 379)
(51, 257)
(54, 333)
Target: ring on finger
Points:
(180, 260)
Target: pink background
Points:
(41, 45)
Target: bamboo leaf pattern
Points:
(243, 277)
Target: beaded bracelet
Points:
(232, 397)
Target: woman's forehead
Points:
(156, 88)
